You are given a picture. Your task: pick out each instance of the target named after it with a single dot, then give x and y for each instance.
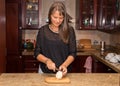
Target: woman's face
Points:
(56, 18)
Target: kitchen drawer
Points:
(31, 70)
(29, 57)
(31, 64)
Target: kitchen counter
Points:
(114, 66)
(101, 58)
(76, 79)
(96, 54)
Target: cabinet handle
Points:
(96, 61)
(34, 64)
(20, 57)
(20, 28)
(109, 69)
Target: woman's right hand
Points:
(50, 65)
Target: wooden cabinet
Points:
(2, 35)
(18, 18)
(12, 26)
(96, 14)
(14, 64)
(31, 13)
(99, 67)
(78, 64)
(86, 14)
(106, 11)
(30, 64)
(31, 16)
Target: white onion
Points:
(59, 75)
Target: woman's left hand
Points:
(63, 69)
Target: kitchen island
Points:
(76, 79)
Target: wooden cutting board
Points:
(54, 80)
(86, 43)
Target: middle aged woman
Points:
(56, 41)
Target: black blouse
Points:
(50, 45)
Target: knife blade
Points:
(56, 69)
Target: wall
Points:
(115, 39)
(70, 4)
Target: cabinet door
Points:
(14, 64)
(2, 35)
(31, 13)
(86, 14)
(12, 18)
(31, 64)
(106, 14)
(78, 64)
(99, 67)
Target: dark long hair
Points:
(63, 28)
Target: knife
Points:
(56, 69)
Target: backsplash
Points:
(94, 35)
(29, 34)
(115, 39)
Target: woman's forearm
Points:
(68, 61)
(42, 58)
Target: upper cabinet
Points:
(96, 14)
(31, 13)
(12, 26)
(106, 11)
(86, 14)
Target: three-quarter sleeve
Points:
(39, 41)
(72, 43)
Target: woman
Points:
(56, 45)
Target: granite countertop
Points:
(114, 66)
(97, 54)
(76, 79)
